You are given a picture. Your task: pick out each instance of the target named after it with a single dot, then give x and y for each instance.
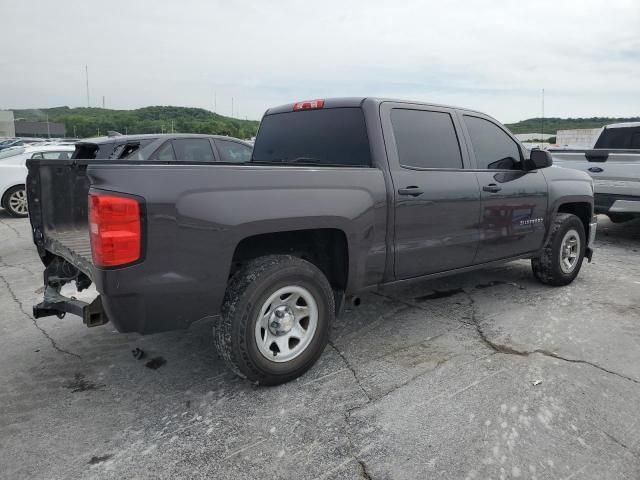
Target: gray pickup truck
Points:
(614, 165)
(340, 196)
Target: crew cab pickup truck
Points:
(340, 196)
(614, 164)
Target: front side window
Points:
(494, 149)
(193, 150)
(426, 139)
(233, 152)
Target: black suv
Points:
(166, 147)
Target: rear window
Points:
(619, 138)
(334, 136)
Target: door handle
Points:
(492, 187)
(411, 191)
(596, 169)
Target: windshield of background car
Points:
(11, 152)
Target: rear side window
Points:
(164, 153)
(635, 140)
(426, 139)
(233, 152)
(56, 155)
(193, 150)
(494, 149)
(335, 136)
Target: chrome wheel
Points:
(286, 324)
(569, 251)
(17, 202)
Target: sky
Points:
(495, 56)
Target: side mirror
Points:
(538, 159)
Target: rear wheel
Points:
(275, 319)
(562, 256)
(15, 201)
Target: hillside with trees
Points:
(89, 122)
(552, 125)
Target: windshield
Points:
(335, 136)
(11, 152)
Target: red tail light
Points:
(115, 231)
(308, 105)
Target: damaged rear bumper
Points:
(57, 304)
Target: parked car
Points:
(340, 196)
(166, 147)
(614, 164)
(19, 142)
(13, 173)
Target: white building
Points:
(7, 125)
(578, 138)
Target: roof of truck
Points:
(342, 102)
(624, 125)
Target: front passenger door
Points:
(514, 201)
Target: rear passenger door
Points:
(514, 201)
(436, 195)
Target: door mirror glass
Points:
(538, 159)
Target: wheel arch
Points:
(327, 248)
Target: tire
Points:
(555, 266)
(15, 201)
(256, 302)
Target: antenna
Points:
(86, 71)
(542, 133)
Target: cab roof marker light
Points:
(308, 105)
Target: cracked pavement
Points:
(482, 375)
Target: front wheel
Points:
(562, 256)
(15, 201)
(275, 319)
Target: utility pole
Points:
(231, 107)
(172, 126)
(542, 116)
(86, 71)
(74, 132)
(215, 102)
(103, 101)
(48, 129)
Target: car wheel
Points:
(275, 319)
(15, 201)
(562, 256)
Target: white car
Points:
(13, 173)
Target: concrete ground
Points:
(483, 375)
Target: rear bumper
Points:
(626, 206)
(621, 204)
